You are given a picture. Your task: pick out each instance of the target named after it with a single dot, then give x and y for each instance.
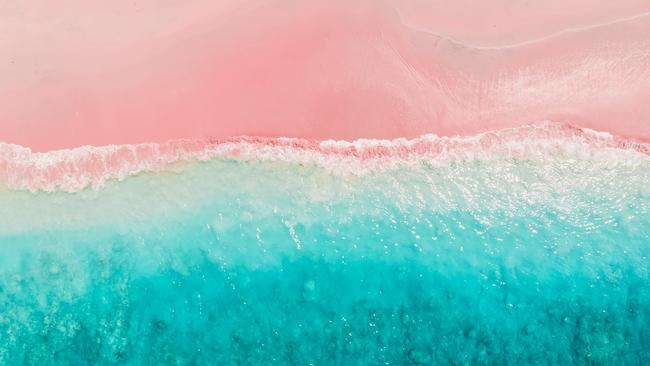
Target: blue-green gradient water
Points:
(504, 261)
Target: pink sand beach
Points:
(75, 73)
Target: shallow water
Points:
(503, 260)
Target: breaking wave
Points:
(84, 167)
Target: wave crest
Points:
(88, 166)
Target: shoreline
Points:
(87, 166)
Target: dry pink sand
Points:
(76, 72)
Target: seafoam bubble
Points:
(87, 166)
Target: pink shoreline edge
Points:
(87, 166)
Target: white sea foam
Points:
(87, 166)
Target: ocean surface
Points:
(517, 247)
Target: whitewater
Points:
(89, 166)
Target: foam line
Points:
(87, 166)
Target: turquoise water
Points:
(504, 261)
